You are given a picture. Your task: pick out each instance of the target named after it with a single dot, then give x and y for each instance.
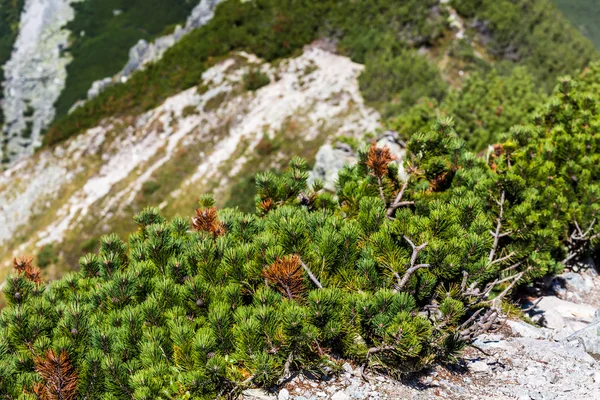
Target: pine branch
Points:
(380, 186)
(497, 235)
(578, 241)
(312, 277)
(499, 260)
(59, 376)
(285, 273)
(370, 352)
(286, 368)
(397, 203)
(412, 268)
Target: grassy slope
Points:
(103, 50)
(543, 40)
(584, 14)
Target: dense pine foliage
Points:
(487, 106)
(385, 35)
(399, 271)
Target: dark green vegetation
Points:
(394, 274)
(393, 83)
(10, 13)
(46, 256)
(255, 79)
(485, 107)
(532, 33)
(101, 40)
(584, 15)
(379, 33)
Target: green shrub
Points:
(583, 15)
(46, 256)
(90, 245)
(399, 274)
(189, 110)
(533, 33)
(103, 48)
(394, 83)
(150, 187)
(255, 79)
(486, 107)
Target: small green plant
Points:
(188, 111)
(47, 256)
(149, 187)
(351, 141)
(255, 79)
(90, 245)
(267, 146)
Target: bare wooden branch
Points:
(415, 250)
(311, 276)
(579, 240)
(476, 327)
(496, 300)
(498, 260)
(370, 352)
(412, 268)
(531, 307)
(471, 319)
(286, 368)
(497, 234)
(409, 273)
(397, 203)
(463, 285)
(380, 186)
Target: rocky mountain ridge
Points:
(201, 140)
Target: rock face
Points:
(143, 52)
(198, 141)
(562, 315)
(35, 75)
(588, 338)
(331, 158)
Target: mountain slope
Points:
(171, 132)
(204, 139)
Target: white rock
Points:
(35, 74)
(329, 161)
(479, 367)
(340, 396)
(525, 330)
(347, 367)
(589, 338)
(559, 314)
(257, 394)
(284, 394)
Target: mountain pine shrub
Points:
(395, 273)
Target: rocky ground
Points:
(560, 359)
